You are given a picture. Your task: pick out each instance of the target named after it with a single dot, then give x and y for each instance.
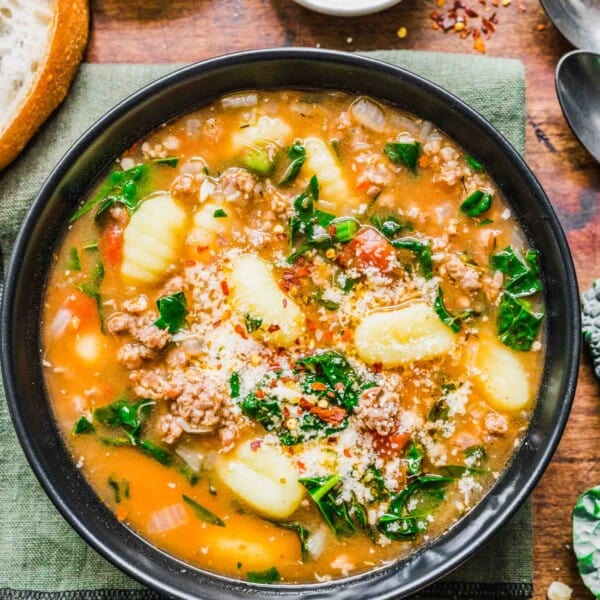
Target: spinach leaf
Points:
(268, 576)
(120, 488)
(439, 411)
(476, 203)
(266, 411)
(473, 163)
(203, 513)
(373, 479)
(317, 229)
(219, 214)
(73, 262)
(389, 225)
(341, 384)
(406, 153)
(120, 187)
(414, 457)
(517, 326)
(169, 161)
(172, 311)
(82, 426)
(586, 538)
(408, 511)
(252, 324)
(129, 417)
(297, 155)
(234, 385)
(422, 251)
(156, 452)
(455, 323)
(522, 275)
(342, 517)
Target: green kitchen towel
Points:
(40, 556)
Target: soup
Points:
(293, 335)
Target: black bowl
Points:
(185, 90)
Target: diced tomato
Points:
(83, 308)
(389, 446)
(368, 249)
(112, 245)
(333, 414)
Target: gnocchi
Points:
(335, 193)
(397, 337)
(255, 293)
(502, 377)
(205, 226)
(153, 239)
(266, 130)
(263, 477)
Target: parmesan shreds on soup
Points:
(293, 335)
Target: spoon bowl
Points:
(577, 20)
(578, 90)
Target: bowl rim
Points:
(462, 552)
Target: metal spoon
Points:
(577, 20)
(578, 90)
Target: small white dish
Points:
(347, 8)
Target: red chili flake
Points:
(312, 326)
(305, 403)
(239, 329)
(255, 445)
(224, 288)
(217, 323)
(284, 302)
(260, 394)
(273, 328)
(318, 386)
(301, 465)
(377, 367)
(201, 249)
(330, 395)
(347, 452)
(471, 13)
(489, 26)
(347, 335)
(190, 263)
(286, 412)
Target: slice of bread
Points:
(41, 45)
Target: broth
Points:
(293, 335)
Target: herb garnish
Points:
(121, 187)
(234, 385)
(476, 203)
(297, 155)
(302, 533)
(172, 311)
(268, 576)
(219, 214)
(169, 161)
(91, 288)
(252, 323)
(389, 225)
(406, 153)
(203, 513)
(414, 458)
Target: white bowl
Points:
(347, 8)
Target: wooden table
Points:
(159, 31)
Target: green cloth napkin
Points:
(41, 557)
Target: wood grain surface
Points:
(160, 31)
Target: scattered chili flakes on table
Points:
(467, 22)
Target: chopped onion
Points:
(167, 518)
(400, 122)
(426, 129)
(191, 456)
(190, 428)
(192, 127)
(369, 114)
(206, 189)
(317, 542)
(61, 321)
(244, 100)
(194, 165)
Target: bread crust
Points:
(68, 37)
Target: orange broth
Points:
(351, 283)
